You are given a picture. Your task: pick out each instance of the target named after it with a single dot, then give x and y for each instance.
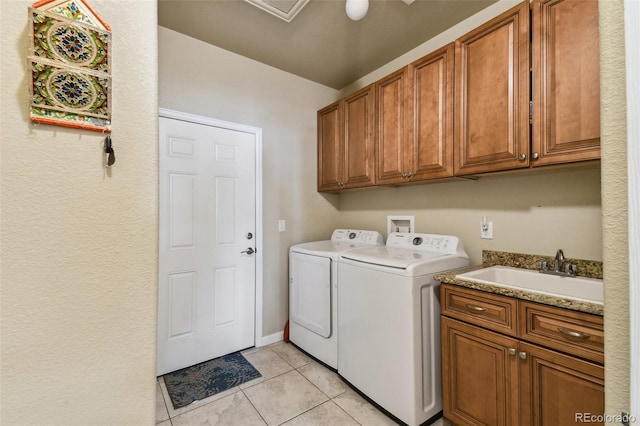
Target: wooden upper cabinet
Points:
(359, 150)
(492, 95)
(566, 81)
(415, 120)
(330, 147)
(392, 127)
(346, 149)
(430, 151)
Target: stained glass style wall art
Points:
(70, 63)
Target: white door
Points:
(206, 295)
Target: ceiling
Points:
(320, 43)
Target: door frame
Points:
(257, 132)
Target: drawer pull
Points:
(572, 333)
(475, 308)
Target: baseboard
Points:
(272, 338)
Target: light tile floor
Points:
(294, 390)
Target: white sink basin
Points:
(576, 288)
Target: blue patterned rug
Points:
(208, 378)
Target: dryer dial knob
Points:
(352, 235)
(417, 241)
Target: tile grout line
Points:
(254, 407)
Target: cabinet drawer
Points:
(487, 310)
(572, 332)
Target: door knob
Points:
(250, 250)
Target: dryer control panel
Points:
(357, 236)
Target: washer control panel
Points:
(426, 242)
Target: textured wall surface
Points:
(614, 206)
(79, 244)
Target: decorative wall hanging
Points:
(70, 63)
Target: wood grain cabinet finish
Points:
(575, 333)
(555, 388)
(346, 149)
(541, 376)
(491, 311)
(479, 375)
(465, 108)
(566, 81)
(492, 95)
(415, 120)
(393, 124)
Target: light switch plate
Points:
(282, 225)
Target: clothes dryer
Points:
(389, 322)
(313, 284)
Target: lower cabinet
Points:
(493, 379)
(557, 389)
(479, 375)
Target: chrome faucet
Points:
(557, 262)
(560, 267)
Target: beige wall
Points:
(79, 245)
(615, 206)
(535, 214)
(202, 79)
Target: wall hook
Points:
(108, 149)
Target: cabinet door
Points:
(392, 127)
(492, 95)
(330, 148)
(479, 375)
(429, 152)
(558, 389)
(566, 81)
(359, 147)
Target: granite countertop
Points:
(586, 268)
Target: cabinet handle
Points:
(409, 174)
(522, 157)
(572, 333)
(475, 308)
(535, 155)
(522, 355)
(512, 351)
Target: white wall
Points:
(202, 79)
(79, 245)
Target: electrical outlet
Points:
(282, 225)
(486, 230)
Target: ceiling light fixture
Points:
(357, 9)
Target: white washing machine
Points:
(389, 329)
(313, 283)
